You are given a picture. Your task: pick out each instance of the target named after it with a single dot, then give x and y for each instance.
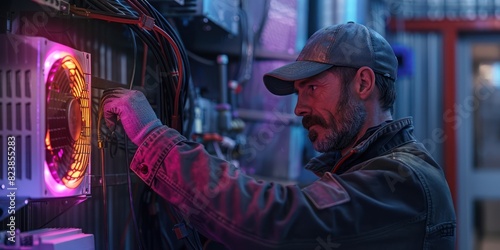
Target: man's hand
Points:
(133, 110)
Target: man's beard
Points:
(341, 132)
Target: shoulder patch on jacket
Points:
(326, 192)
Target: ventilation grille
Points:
(25, 70)
(15, 113)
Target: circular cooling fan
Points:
(67, 137)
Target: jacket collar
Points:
(377, 141)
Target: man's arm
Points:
(244, 213)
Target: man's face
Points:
(331, 113)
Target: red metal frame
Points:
(450, 30)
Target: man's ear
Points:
(365, 84)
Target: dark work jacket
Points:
(386, 193)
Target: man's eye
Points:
(312, 87)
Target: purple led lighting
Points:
(54, 187)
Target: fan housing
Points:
(45, 104)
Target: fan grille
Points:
(67, 137)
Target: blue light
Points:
(495, 78)
(351, 10)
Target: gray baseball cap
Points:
(345, 45)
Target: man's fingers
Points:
(111, 117)
(110, 105)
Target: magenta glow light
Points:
(53, 186)
(74, 170)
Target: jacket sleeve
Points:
(244, 213)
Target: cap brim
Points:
(280, 81)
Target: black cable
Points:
(197, 239)
(166, 60)
(144, 35)
(154, 47)
(247, 48)
(104, 202)
(267, 7)
(131, 202)
(191, 110)
(201, 59)
(249, 38)
(186, 85)
(120, 7)
(135, 58)
(165, 25)
(100, 143)
(131, 199)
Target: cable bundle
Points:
(164, 43)
(172, 66)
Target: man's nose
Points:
(301, 108)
